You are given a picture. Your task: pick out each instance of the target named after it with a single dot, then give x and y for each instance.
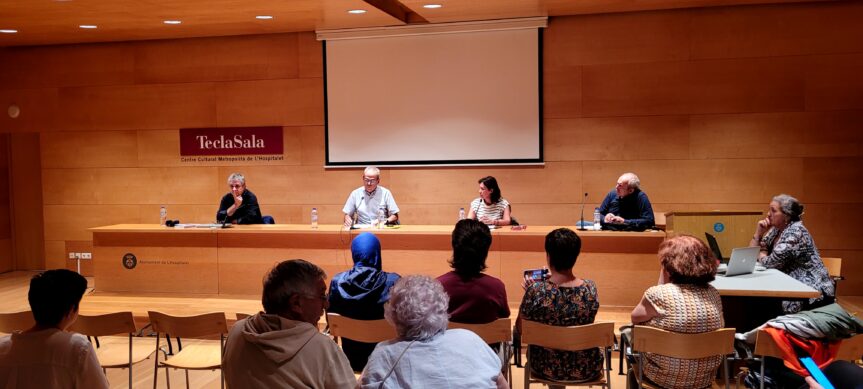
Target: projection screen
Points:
(439, 98)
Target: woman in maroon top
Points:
(474, 297)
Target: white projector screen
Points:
(434, 99)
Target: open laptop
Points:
(742, 261)
(711, 241)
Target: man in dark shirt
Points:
(239, 206)
(627, 207)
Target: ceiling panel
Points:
(42, 22)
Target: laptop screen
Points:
(711, 241)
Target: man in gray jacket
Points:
(282, 346)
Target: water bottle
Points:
(596, 218)
(163, 215)
(461, 214)
(382, 217)
(314, 218)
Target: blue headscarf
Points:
(361, 291)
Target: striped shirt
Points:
(493, 211)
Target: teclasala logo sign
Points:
(231, 141)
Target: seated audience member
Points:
(360, 293)
(786, 245)
(562, 299)
(683, 302)
(282, 347)
(626, 206)
(240, 205)
(46, 356)
(426, 354)
(370, 198)
(474, 297)
(490, 208)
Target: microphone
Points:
(581, 223)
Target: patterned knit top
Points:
(686, 309)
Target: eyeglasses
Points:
(370, 180)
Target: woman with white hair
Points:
(787, 245)
(426, 354)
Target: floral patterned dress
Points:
(545, 302)
(794, 253)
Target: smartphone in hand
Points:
(536, 274)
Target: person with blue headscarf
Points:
(360, 293)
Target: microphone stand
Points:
(581, 223)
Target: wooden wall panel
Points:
(70, 222)
(38, 109)
(313, 145)
(516, 184)
(830, 225)
(250, 57)
(561, 92)
(701, 181)
(126, 107)
(28, 244)
(297, 184)
(696, 87)
(185, 185)
(789, 134)
(834, 82)
(618, 38)
(293, 102)
(55, 254)
(6, 255)
(63, 66)
(630, 138)
(832, 180)
(310, 54)
(768, 31)
(91, 149)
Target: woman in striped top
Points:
(490, 208)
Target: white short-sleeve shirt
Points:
(366, 206)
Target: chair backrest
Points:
(189, 326)
(14, 321)
(369, 331)
(850, 350)
(683, 346)
(241, 315)
(497, 331)
(572, 338)
(103, 325)
(833, 265)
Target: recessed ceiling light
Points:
(432, 6)
(8, 31)
(88, 26)
(357, 11)
(264, 17)
(172, 22)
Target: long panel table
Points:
(156, 259)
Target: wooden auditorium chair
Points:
(112, 355)
(679, 345)
(193, 357)
(573, 338)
